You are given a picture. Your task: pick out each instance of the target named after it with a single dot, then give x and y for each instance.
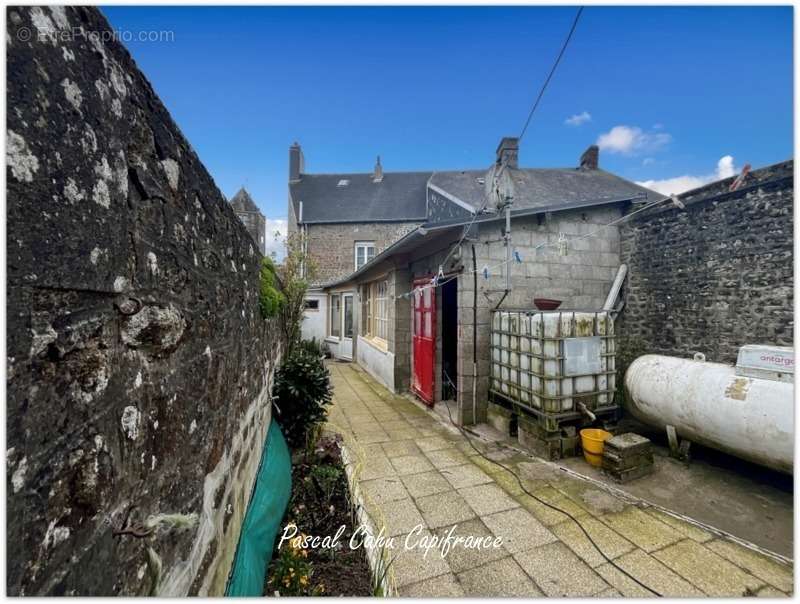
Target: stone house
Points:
(374, 318)
(252, 218)
(346, 220)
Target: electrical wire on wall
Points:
(516, 257)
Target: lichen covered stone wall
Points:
(713, 276)
(139, 369)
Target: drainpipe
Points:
(474, 336)
(507, 240)
(613, 294)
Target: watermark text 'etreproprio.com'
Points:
(52, 36)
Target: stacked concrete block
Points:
(627, 457)
(500, 418)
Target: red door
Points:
(424, 341)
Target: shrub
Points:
(302, 391)
(312, 346)
(270, 299)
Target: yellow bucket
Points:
(592, 440)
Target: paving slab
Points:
(708, 571)
(460, 557)
(434, 443)
(444, 458)
(642, 529)
(519, 530)
(467, 475)
(684, 528)
(487, 499)
(559, 572)
(443, 586)
(408, 566)
(377, 466)
(400, 517)
(399, 448)
(498, 579)
(444, 509)
(384, 490)
(427, 483)
(415, 471)
(411, 464)
(776, 574)
(622, 583)
(606, 540)
(655, 576)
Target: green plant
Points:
(326, 478)
(294, 276)
(270, 298)
(312, 346)
(292, 572)
(302, 392)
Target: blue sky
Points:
(674, 95)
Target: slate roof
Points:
(400, 196)
(544, 187)
(242, 202)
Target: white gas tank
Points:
(747, 410)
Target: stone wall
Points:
(139, 369)
(713, 276)
(331, 247)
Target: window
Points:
(365, 251)
(336, 316)
(366, 309)
(382, 312)
(375, 310)
(311, 304)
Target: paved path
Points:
(414, 470)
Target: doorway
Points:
(346, 343)
(423, 339)
(449, 340)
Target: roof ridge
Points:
(369, 174)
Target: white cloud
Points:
(276, 238)
(648, 160)
(687, 182)
(578, 119)
(630, 140)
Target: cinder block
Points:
(499, 418)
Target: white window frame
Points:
(366, 246)
(338, 322)
(375, 309)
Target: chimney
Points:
(508, 152)
(296, 162)
(377, 175)
(590, 159)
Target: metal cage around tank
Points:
(554, 365)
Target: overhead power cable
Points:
(552, 71)
(485, 199)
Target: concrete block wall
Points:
(581, 279)
(400, 328)
(331, 247)
(714, 276)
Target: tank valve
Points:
(592, 417)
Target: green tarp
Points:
(263, 519)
